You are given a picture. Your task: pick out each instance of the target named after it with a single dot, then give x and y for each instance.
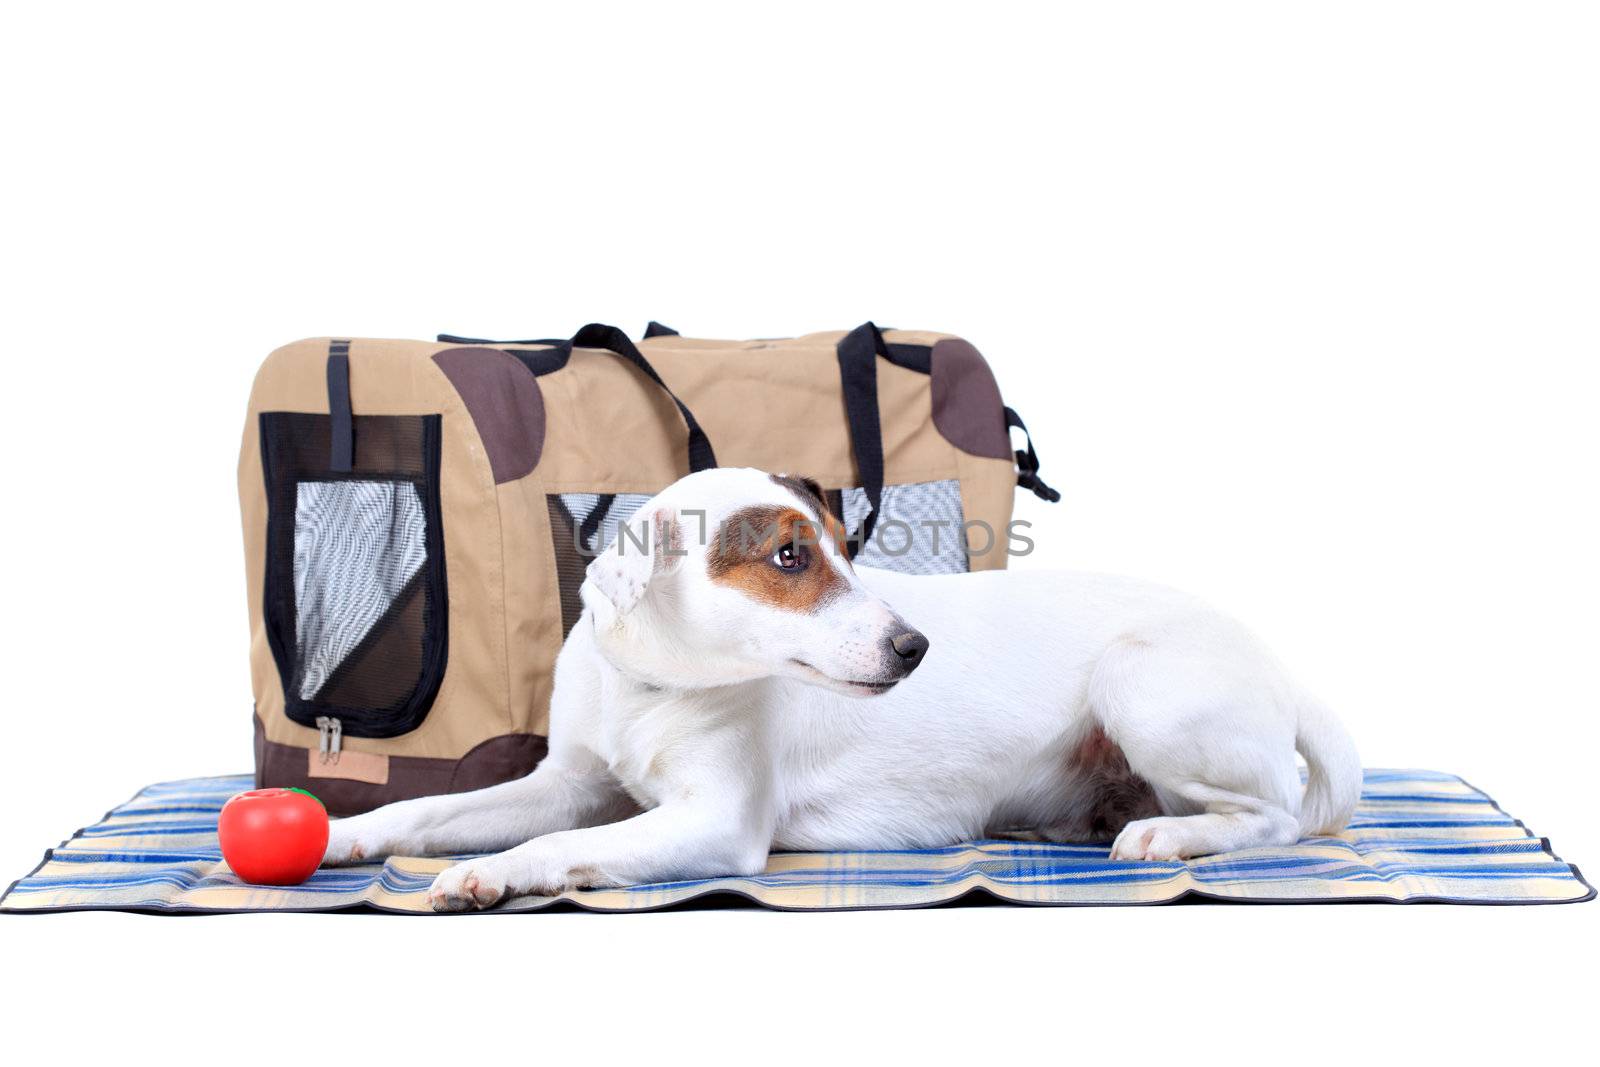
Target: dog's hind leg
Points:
(554, 797)
(1207, 719)
(1233, 821)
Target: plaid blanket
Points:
(1417, 836)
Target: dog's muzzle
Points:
(905, 650)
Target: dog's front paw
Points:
(529, 870)
(473, 884)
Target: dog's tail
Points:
(1334, 784)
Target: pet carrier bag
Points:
(418, 515)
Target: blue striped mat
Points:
(1417, 836)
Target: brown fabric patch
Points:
(741, 557)
(499, 759)
(506, 404)
(967, 409)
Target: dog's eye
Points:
(790, 558)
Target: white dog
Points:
(709, 707)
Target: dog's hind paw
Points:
(1152, 840)
(466, 886)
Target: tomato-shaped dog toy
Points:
(273, 836)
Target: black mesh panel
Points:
(582, 525)
(355, 589)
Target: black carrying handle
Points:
(858, 353)
(1028, 462)
(858, 373)
(454, 339)
(599, 335)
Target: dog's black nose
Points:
(909, 647)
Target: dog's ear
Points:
(647, 546)
(806, 489)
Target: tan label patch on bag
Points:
(369, 767)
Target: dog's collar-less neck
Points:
(634, 684)
(633, 681)
(640, 685)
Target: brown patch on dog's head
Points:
(742, 557)
(809, 491)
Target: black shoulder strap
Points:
(598, 335)
(858, 374)
(655, 329)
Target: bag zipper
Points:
(330, 738)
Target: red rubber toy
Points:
(273, 836)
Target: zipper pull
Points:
(330, 738)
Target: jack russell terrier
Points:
(749, 689)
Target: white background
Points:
(1298, 300)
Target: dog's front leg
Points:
(562, 792)
(679, 840)
(714, 816)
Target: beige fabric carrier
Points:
(418, 515)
